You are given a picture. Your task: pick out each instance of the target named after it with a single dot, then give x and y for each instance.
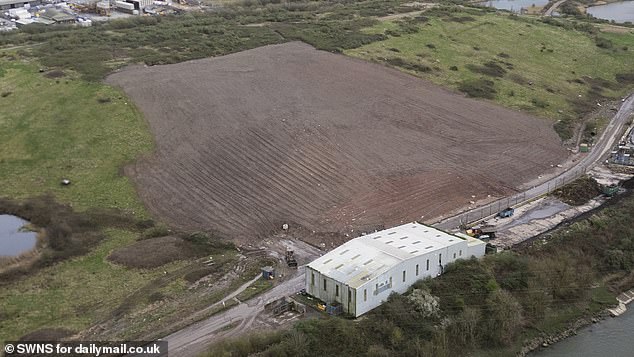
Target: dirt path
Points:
(193, 340)
(555, 6)
(405, 14)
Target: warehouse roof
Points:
(366, 257)
(13, 2)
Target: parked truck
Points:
(508, 212)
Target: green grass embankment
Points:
(551, 71)
(55, 128)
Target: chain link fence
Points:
(493, 208)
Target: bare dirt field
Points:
(289, 134)
(164, 250)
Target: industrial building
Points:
(11, 4)
(360, 274)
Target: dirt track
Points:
(285, 133)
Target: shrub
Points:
(208, 243)
(408, 27)
(156, 231)
(603, 42)
(478, 88)
(491, 68)
(504, 318)
(399, 62)
(625, 78)
(539, 103)
(331, 36)
(564, 128)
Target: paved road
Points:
(194, 339)
(555, 6)
(598, 154)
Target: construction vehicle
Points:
(610, 191)
(290, 259)
(479, 233)
(508, 212)
(490, 248)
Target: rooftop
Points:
(13, 2)
(366, 257)
(56, 15)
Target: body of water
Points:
(612, 337)
(13, 240)
(622, 11)
(513, 5)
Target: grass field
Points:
(73, 294)
(55, 128)
(532, 66)
(84, 132)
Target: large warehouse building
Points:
(363, 272)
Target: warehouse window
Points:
(324, 284)
(416, 269)
(427, 264)
(403, 275)
(460, 253)
(454, 255)
(336, 290)
(440, 258)
(365, 294)
(312, 279)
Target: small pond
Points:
(14, 240)
(513, 5)
(622, 11)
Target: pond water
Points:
(622, 11)
(609, 338)
(13, 240)
(513, 5)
